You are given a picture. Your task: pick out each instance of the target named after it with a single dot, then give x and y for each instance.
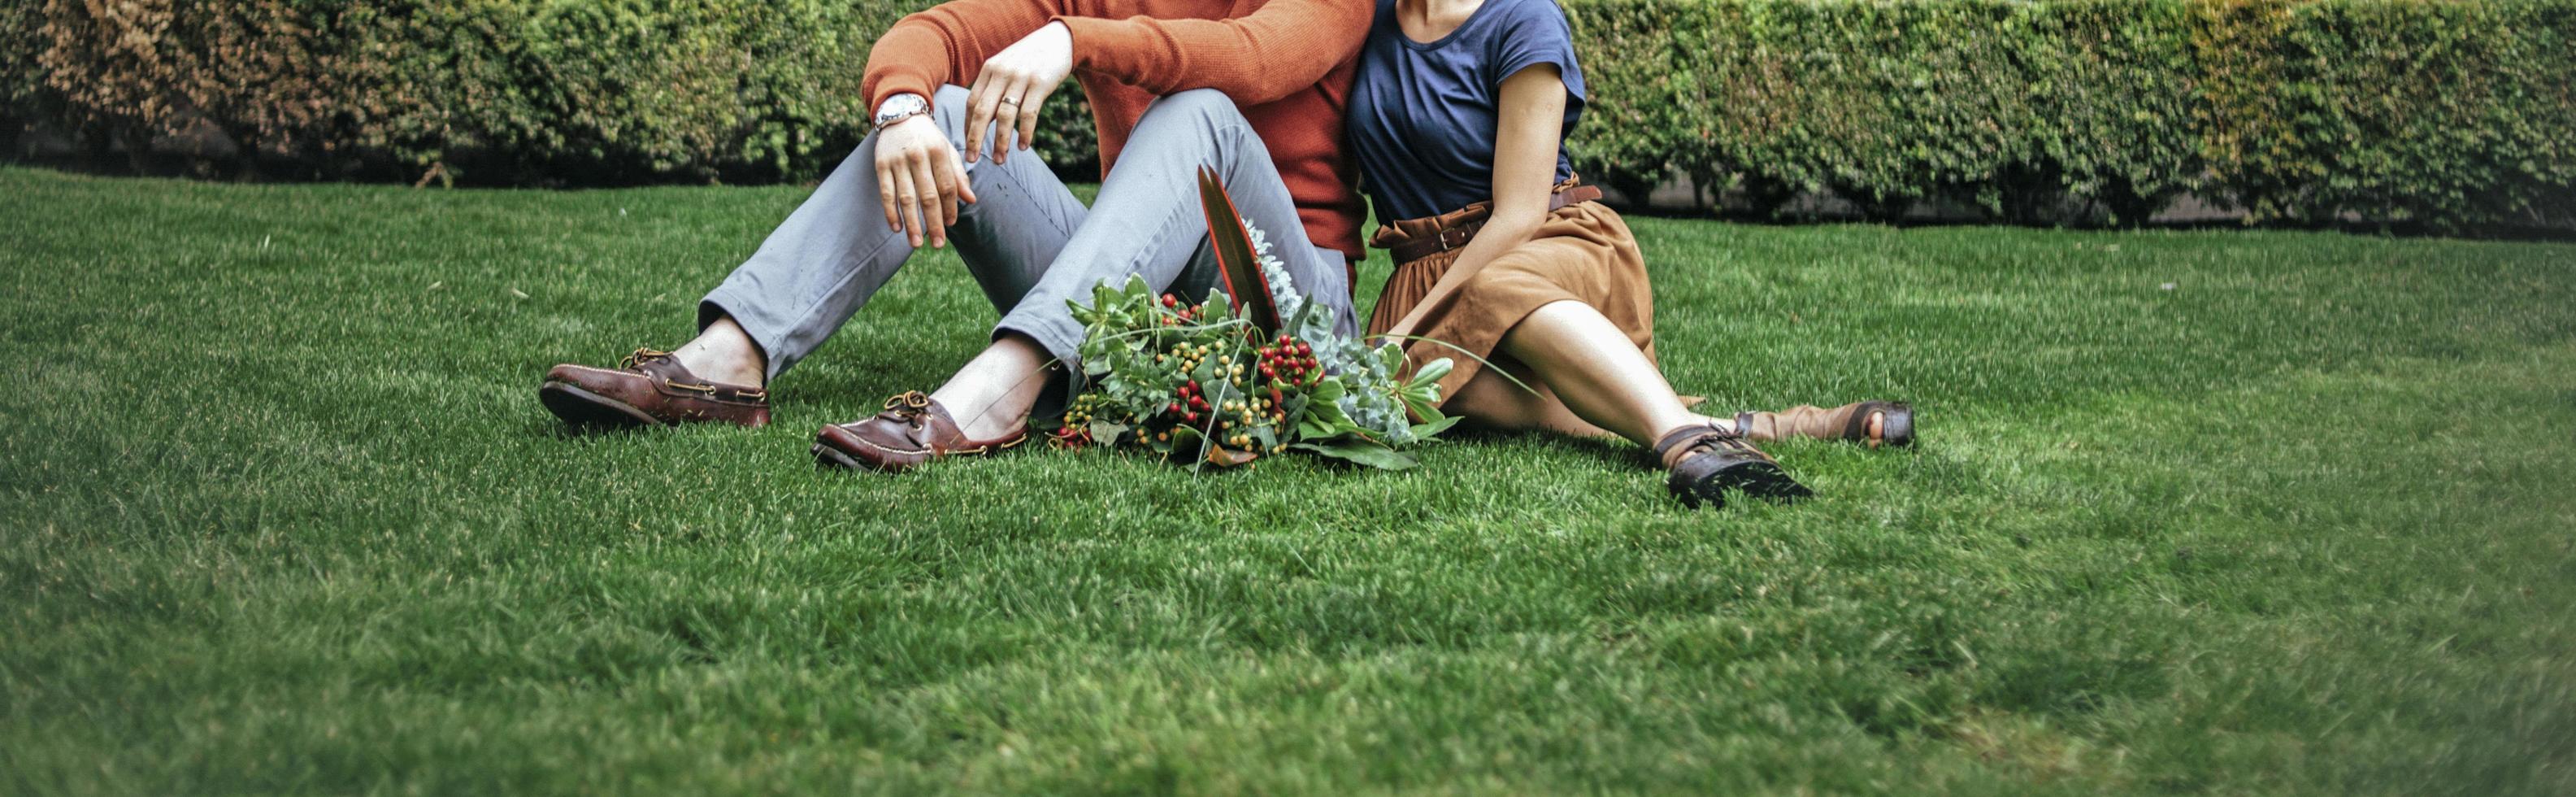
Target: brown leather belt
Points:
(1457, 236)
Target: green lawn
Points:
(282, 515)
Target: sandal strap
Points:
(1682, 437)
(1677, 442)
(1856, 424)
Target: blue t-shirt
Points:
(1422, 116)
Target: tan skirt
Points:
(1582, 252)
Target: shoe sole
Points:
(1896, 428)
(1764, 480)
(828, 457)
(591, 410)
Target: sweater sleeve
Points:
(1284, 47)
(947, 43)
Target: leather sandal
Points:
(911, 430)
(1849, 422)
(1706, 462)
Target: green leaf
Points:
(1353, 449)
(1107, 433)
(1432, 371)
(1431, 428)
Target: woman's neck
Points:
(1430, 20)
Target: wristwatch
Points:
(900, 107)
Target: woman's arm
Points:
(1529, 120)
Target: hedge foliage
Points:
(494, 91)
(2443, 112)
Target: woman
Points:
(1458, 117)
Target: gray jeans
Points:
(1027, 240)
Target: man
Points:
(1255, 89)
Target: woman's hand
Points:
(1402, 332)
(919, 181)
(1011, 87)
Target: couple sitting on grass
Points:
(1452, 114)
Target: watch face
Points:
(898, 107)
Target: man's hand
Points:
(1013, 83)
(919, 180)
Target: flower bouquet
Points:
(1250, 369)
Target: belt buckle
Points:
(1446, 244)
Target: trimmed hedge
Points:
(2437, 112)
(491, 91)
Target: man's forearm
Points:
(1280, 49)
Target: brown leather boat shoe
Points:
(912, 430)
(650, 388)
(1707, 462)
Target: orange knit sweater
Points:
(1287, 63)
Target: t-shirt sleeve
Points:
(1536, 32)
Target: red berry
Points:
(1191, 417)
(1170, 300)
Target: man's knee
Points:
(948, 108)
(1195, 104)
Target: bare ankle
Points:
(993, 394)
(992, 421)
(724, 353)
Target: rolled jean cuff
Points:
(720, 303)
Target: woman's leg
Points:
(1591, 369)
(1530, 405)
(1493, 400)
(1603, 378)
